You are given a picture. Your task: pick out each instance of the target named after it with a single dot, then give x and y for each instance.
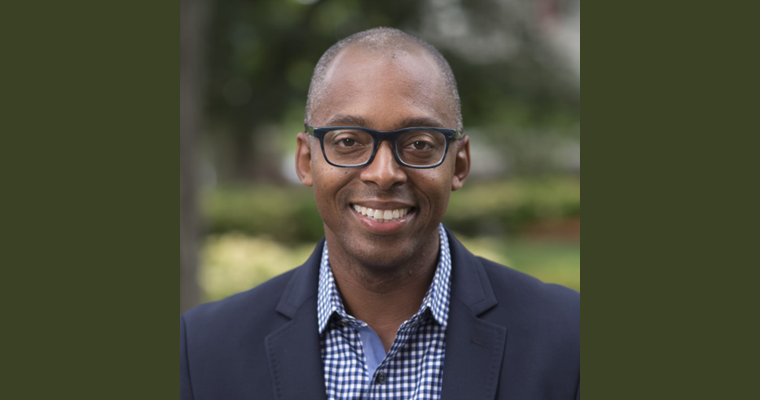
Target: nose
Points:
(384, 171)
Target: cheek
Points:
(328, 183)
(437, 189)
(439, 179)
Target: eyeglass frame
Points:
(378, 137)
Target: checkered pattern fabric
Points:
(412, 369)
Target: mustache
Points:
(393, 194)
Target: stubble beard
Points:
(386, 262)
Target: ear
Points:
(303, 159)
(462, 165)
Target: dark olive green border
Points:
(652, 151)
(93, 112)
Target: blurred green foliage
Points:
(234, 262)
(507, 207)
(551, 262)
(288, 214)
(284, 213)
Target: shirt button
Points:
(382, 378)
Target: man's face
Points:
(366, 90)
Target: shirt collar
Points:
(436, 298)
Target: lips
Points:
(382, 215)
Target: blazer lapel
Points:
(293, 351)
(474, 347)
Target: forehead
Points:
(383, 90)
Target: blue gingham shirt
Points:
(354, 359)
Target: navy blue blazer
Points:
(510, 336)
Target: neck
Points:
(384, 296)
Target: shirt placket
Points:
(384, 378)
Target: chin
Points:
(381, 252)
(382, 257)
(410, 254)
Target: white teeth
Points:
(382, 215)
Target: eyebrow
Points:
(351, 120)
(341, 119)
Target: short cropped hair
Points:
(387, 42)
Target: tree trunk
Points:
(193, 17)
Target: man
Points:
(390, 305)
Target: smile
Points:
(382, 215)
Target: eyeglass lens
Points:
(354, 147)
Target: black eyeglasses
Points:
(353, 146)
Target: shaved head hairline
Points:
(387, 43)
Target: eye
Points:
(420, 145)
(347, 142)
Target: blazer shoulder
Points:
(224, 343)
(527, 299)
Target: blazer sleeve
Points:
(578, 397)
(185, 387)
